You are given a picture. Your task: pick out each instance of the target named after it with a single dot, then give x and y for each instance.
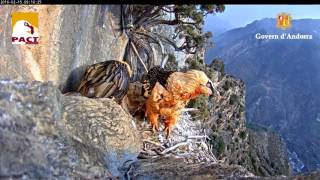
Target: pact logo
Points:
(25, 28)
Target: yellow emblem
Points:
(25, 28)
(284, 21)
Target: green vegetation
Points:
(217, 144)
(236, 140)
(142, 23)
(234, 99)
(227, 85)
(241, 108)
(243, 134)
(214, 128)
(220, 147)
(218, 65)
(200, 103)
(172, 63)
(196, 63)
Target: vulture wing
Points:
(106, 79)
(154, 75)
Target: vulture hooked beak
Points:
(212, 88)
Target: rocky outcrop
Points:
(173, 168)
(104, 125)
(227, 118)
(267, 153)
(45, 135)
(70, 37)
(309, 175)
(261, 151)
(282, 85)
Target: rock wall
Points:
(70, 37)
(227, 120)
(267, 152)
(173, 168)
(259, 150)
(46, 135)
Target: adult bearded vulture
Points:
(168, 92)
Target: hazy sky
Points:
(241, 15)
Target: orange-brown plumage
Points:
(167, 99)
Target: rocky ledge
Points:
(47, 135)
(44, 134)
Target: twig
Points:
(149, 152)
(136, 51)
(157, 151)
(145, 156)
(198, 137)
(154, 143)
(211, 153)
(128, 172)
(164, 61)
(174, 147)
(189, 109)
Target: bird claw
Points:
(168, 132)
(155, 128)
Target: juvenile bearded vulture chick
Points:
(109, 79)
(168, 92)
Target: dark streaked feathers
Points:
(155, 74)
(106, 79)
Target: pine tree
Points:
(139, 23)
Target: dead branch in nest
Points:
(198, 137)
(137, 53)
(146, 155)
(154, 143)
(157, 151)
(149, 152)
(175, 147)
(189, 109)
(211, 153)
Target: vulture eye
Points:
(208, 85)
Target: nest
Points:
(187, 141)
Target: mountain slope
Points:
(283, 82)
(216, 25)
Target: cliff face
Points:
(227, 117)
(267, 152)
(46, 134)
(70, 37)
(261, 151)
(283, 82)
